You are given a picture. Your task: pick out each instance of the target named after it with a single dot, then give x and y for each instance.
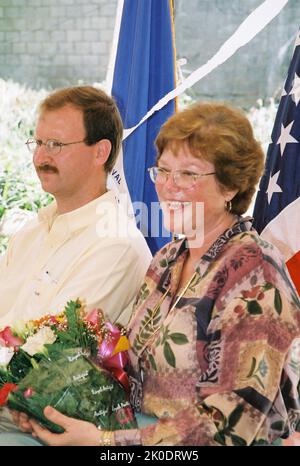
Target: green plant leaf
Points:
(178, 338)
(163, 263)
(277, 301)
(152, 362)
(169, 355)
(144, 336)
(254, 308)
(156, 321)
(260, 442)
(253, 364)
(220, 438)
(196, 279)
(235, 416)
(238, 441)
(267, 286)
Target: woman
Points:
(216, 328)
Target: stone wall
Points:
(53, 43)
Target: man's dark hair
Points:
(101, 116)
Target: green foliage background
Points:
(19, 186)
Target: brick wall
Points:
(55, 42)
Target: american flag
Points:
(277, 207)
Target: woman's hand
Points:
(21, 420)
(76, 432)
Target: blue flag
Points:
(144, 72)
(277, 207)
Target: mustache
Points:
(46, 168)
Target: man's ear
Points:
(103, 151)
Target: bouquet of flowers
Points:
(71, 361)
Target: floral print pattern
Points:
(222, 365)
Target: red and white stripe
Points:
(284, 232)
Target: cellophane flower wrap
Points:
(71, 361)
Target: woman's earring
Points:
(228, 206)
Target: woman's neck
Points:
(211, 234)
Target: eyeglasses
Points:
(182, 178)
(52, 146)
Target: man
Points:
(64, 254)
(74, 249)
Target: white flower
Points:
(6, 354)
(35, 343)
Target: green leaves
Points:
(238, 441)
(163, 263)
(152, 362)
(178, 338)
(267, 286)
(149, 325)
(220, 438)
(254, 308)
(235, 416)
(20, 365)
(165, 339)
(77, 334)
(195, 280)
(253, 364)
(169, 355)
(277, 302)
(65, 377)
(257, 371)
(144, 292)
(77, 388)
(20, 189)
(228, 428)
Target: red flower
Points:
(8, 339)
(217, 416)
(28, 392)
(5, 391)
(238, 310)
(53, 320)
(250, 293)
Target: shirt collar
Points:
(179, 247)
(78, 218)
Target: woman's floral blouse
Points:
(221, 367)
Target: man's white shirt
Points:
(94, 253)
